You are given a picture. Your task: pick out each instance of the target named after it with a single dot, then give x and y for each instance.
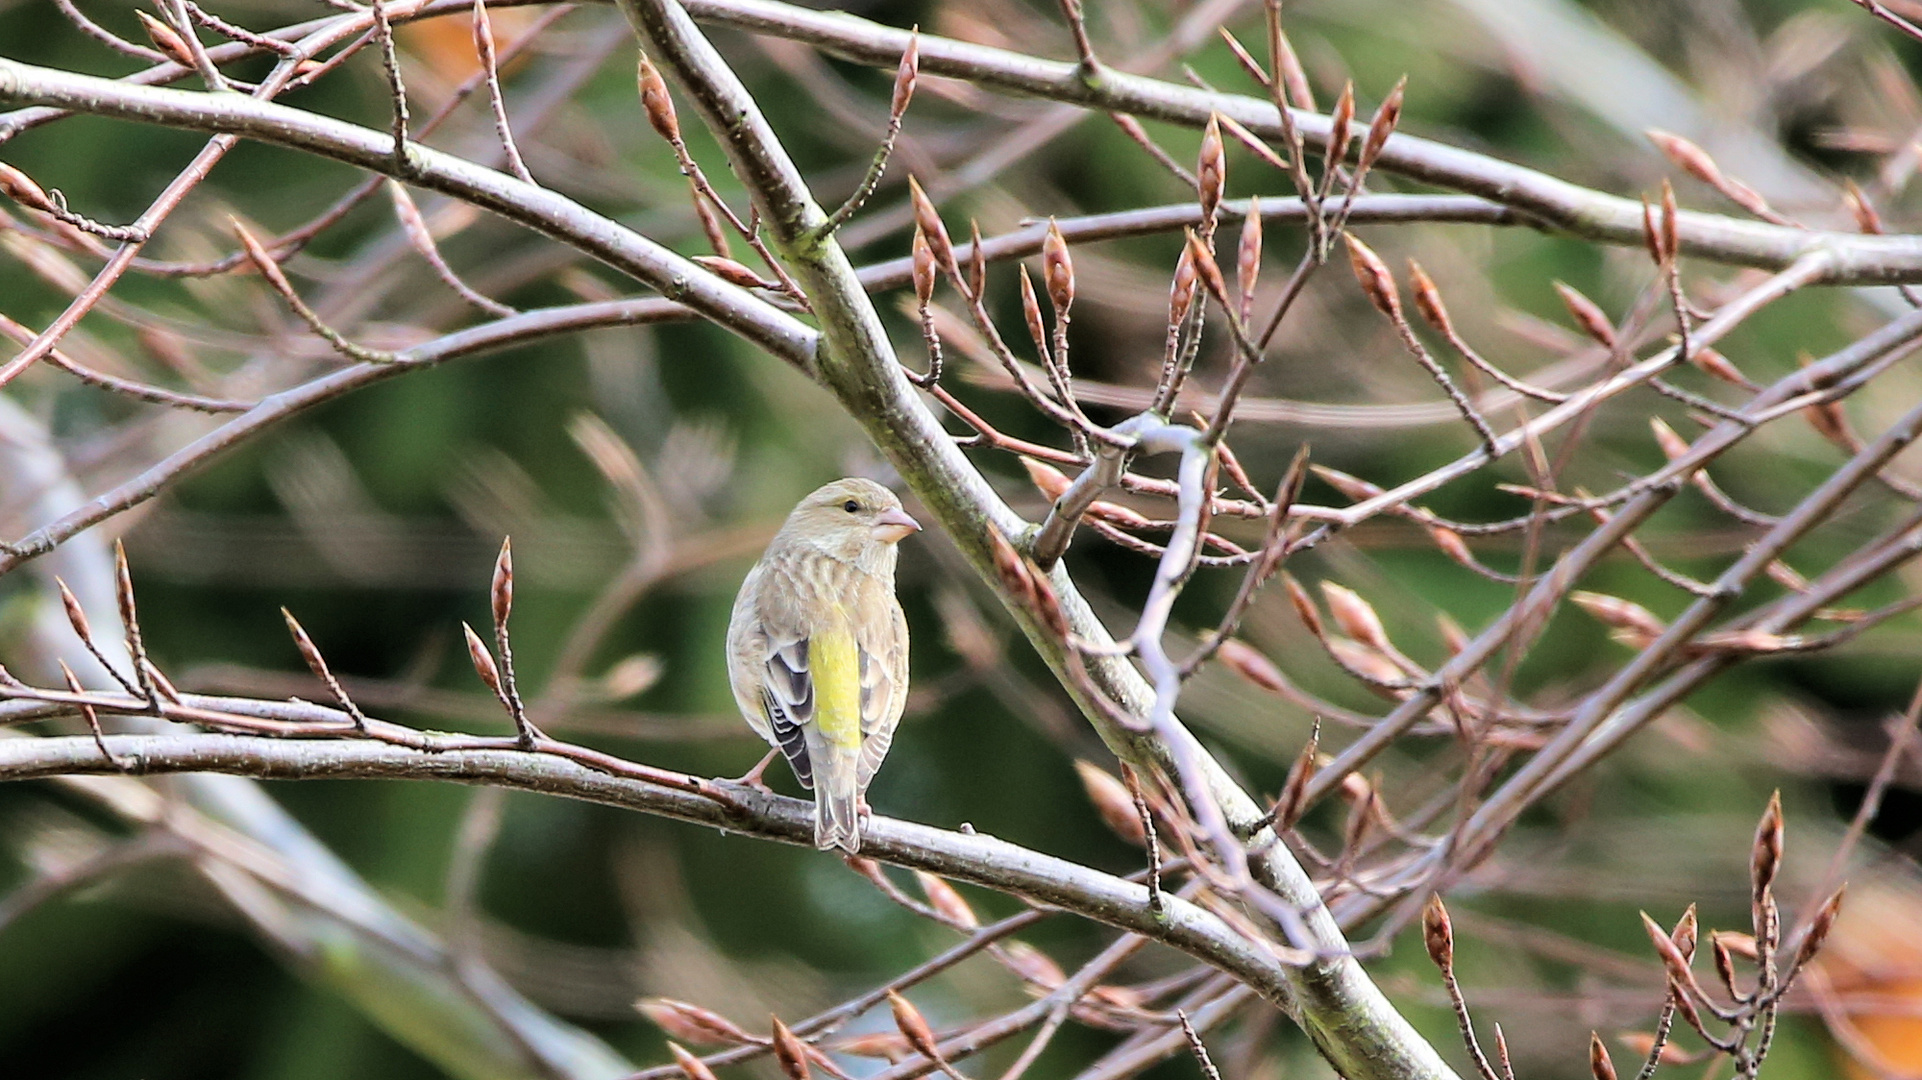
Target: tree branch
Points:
(972, 857)
(1580, 211)
(1334, 1001)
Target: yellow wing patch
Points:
(834, 662)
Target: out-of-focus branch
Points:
(1569, 207)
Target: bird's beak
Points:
(893, 525)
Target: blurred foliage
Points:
(588, 908)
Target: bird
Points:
(817, 648)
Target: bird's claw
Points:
(752, 777)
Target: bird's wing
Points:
(787, 697)
(883, 644)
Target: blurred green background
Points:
(375, 518)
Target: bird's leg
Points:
(752, 778)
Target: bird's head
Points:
(854, 520)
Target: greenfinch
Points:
(817, 648)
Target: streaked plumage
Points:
(817, 647)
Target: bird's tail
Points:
(837, 802)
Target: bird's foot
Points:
(752, 778)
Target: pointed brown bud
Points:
(789, 1051)
(906, 75)
(75, 614)
(655, 100)
(1247, 61)
(309, 652)
(977, 260)
(20, 187)
(692, 1024)
(1587, 314)
(483, 29)
(1057, 270)
(1619, 613)
(936, 233)
(710, 224)
(1786, 576)
(1208, 271)
(1651, 238)
(1684, 934)
(880, 1044)
(1696, 162)
(1031, 314)
(1691, 158)
(1294, 791)
(1714, 364)
(1866, 219)
(1249, 663)
(1451, 544)
(166, 39)
(256, 254)
(501, 591)
(1304, 605)
(1181, 288)
(732, 272)
(913, 1026)
(1355, 616)
(1428, 300)
(1376, 282)
(691, 1067)
(1671, 956)
(1211, 168)
(1724, 961)
(1671, 227)
(1438, 933)
(1353, 487)
(123, 590)
(1819, 928)
(1047, 603)
(1740, 944)
(1032, 965)
(483, 660)
(1598, 1062)
(1248, 258)
(944, 899)
(923, 268)
(1253, 144)
(1387, 116)
(1117, 514)
(1113, 801)
(1642, 1043)
(1673, 445)
(1046, 477)
(1010, 568)
(1766, 857)
(1338, 126)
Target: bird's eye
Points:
(850, 506)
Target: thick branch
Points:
(972, 857)
(1346, 1015)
